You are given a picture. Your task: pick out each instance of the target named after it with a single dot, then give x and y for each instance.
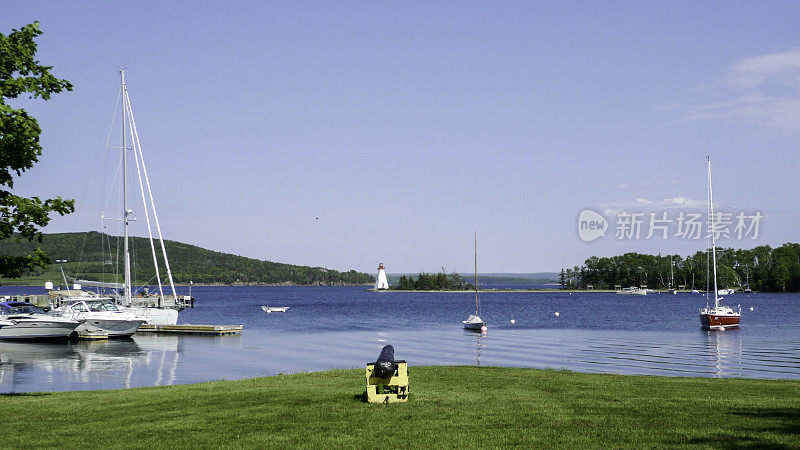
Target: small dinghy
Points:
(272, 309)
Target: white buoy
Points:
(751, 308)
(557, 314)
(513, 321)
(484, 329)
(381, 282)
(721, 328)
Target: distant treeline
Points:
(94, 255)
(764, 268)
(433, 282)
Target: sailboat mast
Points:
(671, 274)
(713, 240)
(477, 309)
(126, 253)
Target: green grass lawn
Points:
(462, 406)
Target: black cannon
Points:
(386, 366)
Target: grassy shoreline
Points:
(462, 406)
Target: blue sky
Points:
(405, 126)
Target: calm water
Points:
(344, 327)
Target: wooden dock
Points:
(188, 328)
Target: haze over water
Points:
(345, 327)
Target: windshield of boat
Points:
(79, 307)
(22, 309)
(96, 305)
(110, 306)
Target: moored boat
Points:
(272, 309)
(474, 321)
(719, 316)
(22, 321)
(632, 291)
(99, 315)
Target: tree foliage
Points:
(20, 217)
(98, 257)
(433, 282)
(761, 268)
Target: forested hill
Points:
(93, 255)
(762, 268)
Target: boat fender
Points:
(385, 366)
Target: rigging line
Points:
(152, 202)
(135, 142)
(113, 117)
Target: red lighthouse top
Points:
(380, 266)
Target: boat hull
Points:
(474, 323)
(24, 330)
(156, 316)
(717, 321)
(115, 328)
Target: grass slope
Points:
(463, 406)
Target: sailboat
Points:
(155, 309)
(474, 321)
(672, 289)
(719, 316)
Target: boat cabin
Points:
(93, 305)
(8, 308)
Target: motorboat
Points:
(632, 291)
(272, 309)
(99, 315)
(23, 320)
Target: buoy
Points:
(751, 308)
(513, 321)
(484, 329)
(721, 328)
(557, 314)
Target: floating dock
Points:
(191, 329)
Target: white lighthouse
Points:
(381, 282)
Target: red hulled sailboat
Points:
(719, 316)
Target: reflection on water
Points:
(152, 360)
(726, 352)
(117, 363)
(478, 346)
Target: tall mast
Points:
(671, 274)
(713, 230)
(126, 255)
(477, 312)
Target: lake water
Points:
(345, 327)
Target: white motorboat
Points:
(272, 309)
(632, 291)
(99, 315)
(474, 321)
(22, 320)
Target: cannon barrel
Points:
(386, 366)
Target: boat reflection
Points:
(725, 348)
(106, 364)
(479, 346)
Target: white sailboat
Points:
(719, 316)
(158, 309)
(474, 321)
